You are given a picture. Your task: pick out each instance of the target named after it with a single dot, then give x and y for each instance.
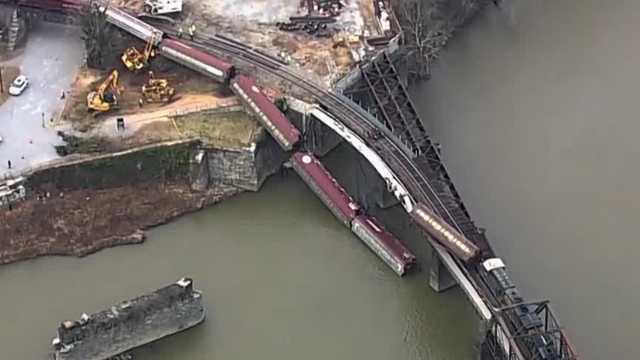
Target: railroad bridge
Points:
(373, 112)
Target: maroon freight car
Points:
(325, 187)
(198, 60)
(389, 248)
(267, 113)
(446, 235)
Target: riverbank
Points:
(85, 203)
(81, 222)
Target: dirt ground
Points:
(183, 80)
(8, 74)
(228, 130)
(257, 27)
(82, 222)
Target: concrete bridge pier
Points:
(440, 279)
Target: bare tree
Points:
(97, 35)
(428, 25)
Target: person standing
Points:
(9, 164)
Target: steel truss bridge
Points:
(378, 109)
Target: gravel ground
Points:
(266, 11)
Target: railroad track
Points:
(344, 109)
(390, 148)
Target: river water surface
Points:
(536, 107)
(282, 279)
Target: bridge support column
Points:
(440, 278)
(481, 338)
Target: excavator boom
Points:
(106, 95)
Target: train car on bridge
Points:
(265, 111)
(388, 247)
(445, 234)
(197, 60)
(325, 187)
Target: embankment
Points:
(81, 206)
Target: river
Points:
(536, 108)
(282, 279)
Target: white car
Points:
(18, 85)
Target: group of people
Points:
(191, 29)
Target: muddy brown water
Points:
(536, 107)
(281, 277)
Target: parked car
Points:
(18, 85)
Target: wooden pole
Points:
(1, 81)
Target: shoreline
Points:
(57, 226)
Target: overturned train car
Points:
(384, 244)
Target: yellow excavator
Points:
(157, 90)
(106, 96)
(134, 60)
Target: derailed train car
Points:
(388, 247)
(197, 60)
(133, 25)
(269, 116)
(325, 187)
(444, 233)
(384, 244)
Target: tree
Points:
(97, 35)
(427, 25)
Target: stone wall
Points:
(246, 168)
(77, 207)
(167, 161)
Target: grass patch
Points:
(227, 130)
(74, 144)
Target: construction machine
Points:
(134, 60)
(345, 40)
(157, 90)
(106, 96)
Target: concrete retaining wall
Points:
(164, 161)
